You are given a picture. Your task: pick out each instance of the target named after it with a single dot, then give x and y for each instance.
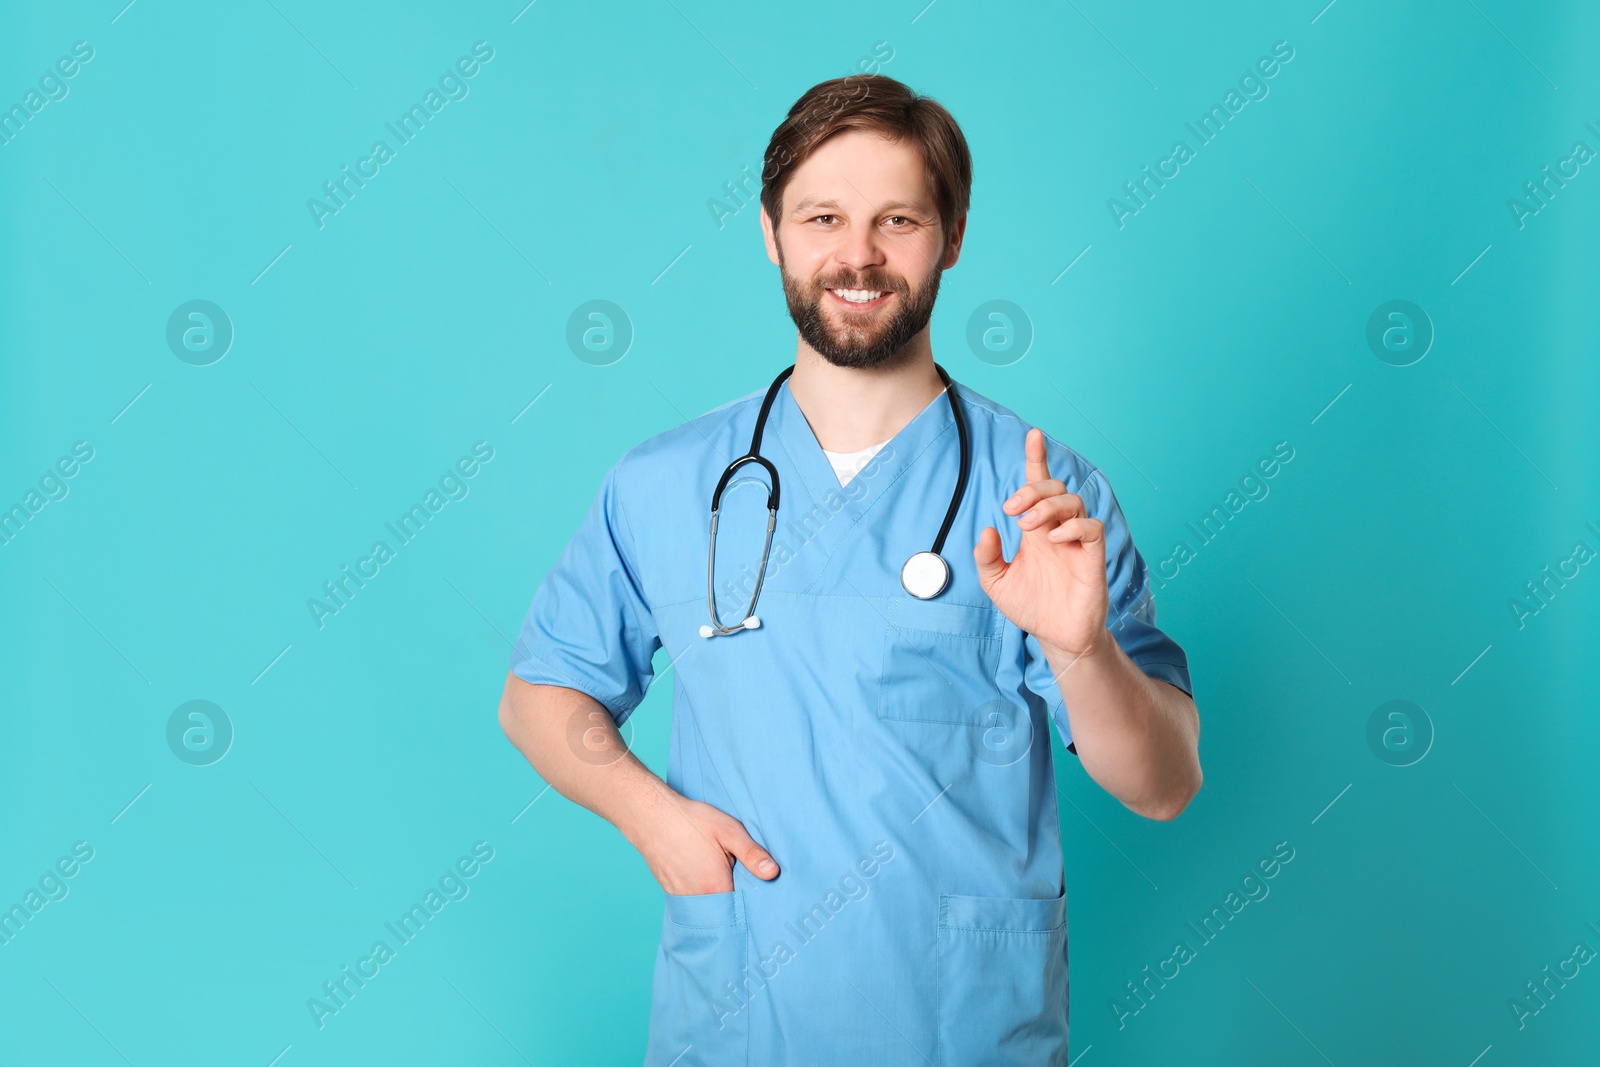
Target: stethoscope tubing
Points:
(750, 620)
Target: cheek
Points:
(800, 275)
(918, 265)
(807, 254)
(813, 268)
(802, 251)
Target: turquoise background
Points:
(1227, 315)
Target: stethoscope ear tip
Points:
(750, 623)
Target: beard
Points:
(860, 341)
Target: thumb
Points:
(756, 859)
(987, 555)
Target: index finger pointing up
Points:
(1038, 469)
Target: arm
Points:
(573, 743)
(1137, 736)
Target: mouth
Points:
(860, 299)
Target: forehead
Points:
(860, 169)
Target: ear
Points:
(958, 230)
(767, 235)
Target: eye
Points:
(900, 221)
(819, 218)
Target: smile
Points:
(860, 298)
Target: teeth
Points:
(858, 296)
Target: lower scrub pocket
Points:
(699, 1012)
(1002, 981)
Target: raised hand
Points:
(1054, 587)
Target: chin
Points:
(885, 342)
(863, 359)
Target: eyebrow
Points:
(812, 203)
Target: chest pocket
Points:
(940, 662)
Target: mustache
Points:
(864, 282)
(883, 285)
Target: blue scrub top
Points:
(891, 753)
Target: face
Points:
(861, 249)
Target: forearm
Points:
(1136, 736)
(572, 741)
(574, 745)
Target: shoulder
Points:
(714, 438)
(1000, 438)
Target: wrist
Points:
(1099, 646)
(650, 801)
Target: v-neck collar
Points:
(804, 451)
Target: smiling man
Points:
(857, 832)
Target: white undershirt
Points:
(847, 465)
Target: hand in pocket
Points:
(691, 848)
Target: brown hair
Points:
(881, 105)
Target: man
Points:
(857, 833)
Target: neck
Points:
(849, 409)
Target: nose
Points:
(859, 247)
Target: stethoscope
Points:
(924, 575)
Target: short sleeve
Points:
(1130, 613)
(589, 627)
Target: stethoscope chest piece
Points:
(925, 575)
